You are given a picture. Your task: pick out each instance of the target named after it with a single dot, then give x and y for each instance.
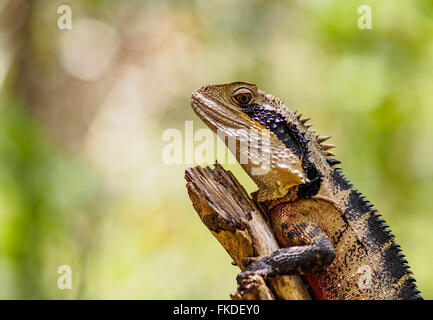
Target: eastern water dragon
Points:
(328, 232)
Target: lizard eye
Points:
(243, 96)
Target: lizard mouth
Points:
(200, 111)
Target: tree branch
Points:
(238, 223)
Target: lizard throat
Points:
(293, 139)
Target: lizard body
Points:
(328, 231)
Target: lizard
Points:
(328, 232)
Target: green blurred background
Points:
(82, 112)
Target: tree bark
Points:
(239, 224)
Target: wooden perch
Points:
(239, 225)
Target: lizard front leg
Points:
(309, 250)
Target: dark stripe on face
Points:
(293, 139)
(277, 123)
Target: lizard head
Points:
(269, 144)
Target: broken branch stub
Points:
(238, 223)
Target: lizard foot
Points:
(259, 267)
